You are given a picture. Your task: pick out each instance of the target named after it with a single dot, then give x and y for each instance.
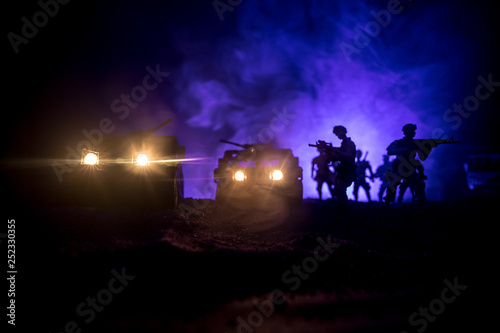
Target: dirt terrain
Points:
(321, 267)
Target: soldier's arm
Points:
(395, 149)
(420, 169)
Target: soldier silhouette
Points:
(405, 167)
(346, 169)
(361, 167)
(321, 164)
(380, 173)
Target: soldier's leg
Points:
(366, 186)
(341, 193)
(390, 194)
(402, 190)
(319, 188)
(393, 180)
(355, 190)
(381, 191)
(330, 187)
(346, 181)
(419, 189)
(340, 189)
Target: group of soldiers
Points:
(405, 171)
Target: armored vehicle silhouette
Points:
(483, 173)
(135, 169)
(258, 172)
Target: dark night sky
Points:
(227, 77)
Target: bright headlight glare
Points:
(239, 176)
(142, 159)
(90, 159)
(276, 175)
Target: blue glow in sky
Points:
(348, 63)
(281, 72)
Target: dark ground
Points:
(199, 272)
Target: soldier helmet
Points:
(408, 128)
(339, 128)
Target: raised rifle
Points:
(426, 145)
(322, 145)
(327, 148)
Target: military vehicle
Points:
(137, 169)
(483, 173)
(258, 172)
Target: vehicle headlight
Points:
(142, 159)
(90, 158)
(240, 176)
(276, 175)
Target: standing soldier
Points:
(323, 172)
(380, 173)
(405, 166)
(361, 167)
(346, 170)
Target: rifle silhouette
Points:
(327, 148)
(426, 145)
